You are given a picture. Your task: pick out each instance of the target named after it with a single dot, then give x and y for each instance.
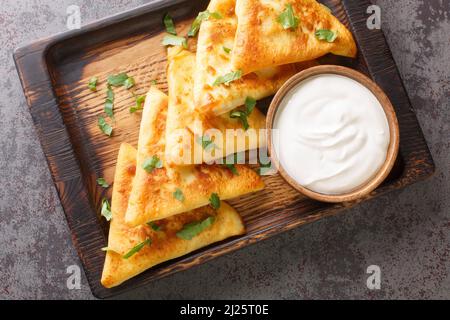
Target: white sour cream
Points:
(333, 134)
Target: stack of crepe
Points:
(267, 55)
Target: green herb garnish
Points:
(104, 127)
(153, 163)
(102, 183)
(214, 200)
(117, 80)
(93, 83)
(192, 229)
(168, 23)
(137, 248)
(139, 102)
(326, 35)
(232, 168)
(242, 116)
(288, 19)
(129, 83)
(178, 194)
(227, 50)
(250, 104)
(202, 16)
(171, 40)
(153, 82)
(154, 226)
(109, 103)
(206, 143)
(229, 77)
(106, 209)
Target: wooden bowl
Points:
(392, 152)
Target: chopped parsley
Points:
(104, 127)
(106, 209)
(229, 77)
(168, 23)
(93, 84)
(137, 248)
(152, 163)
(192, 229)
(288, 19)
(178, 194)
(214, 201)
(102, 183)
(171, 40)
(202, 16)
(327, 35)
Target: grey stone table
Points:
(405, 233)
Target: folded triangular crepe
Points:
(278, 32)
(165, 244)
(152, 196)
(214, 51)
(186, 126)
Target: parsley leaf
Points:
(137, 248)
(241, 115)
(192, 229)
(202, 16)
(171, 40)
(287, 18)
(232, 168)
(109, 103)
(93, 84)
(139, 101)
(214, 200)
(206, 143)
(154, 226)
(250, 104)
(327, 35)
(227, 50)
(117, 80)
(129, 83)
(102, 182)
(106, 209)
(229, 77)
(153, 82)
(104, 127)
(153, 163)
(178, 194)
(168, 23)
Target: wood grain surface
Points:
(54, 73)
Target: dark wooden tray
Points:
(55, 71)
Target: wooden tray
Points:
(55, 71)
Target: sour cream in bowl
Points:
(334, 134)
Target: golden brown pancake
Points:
(152, 195)
(261, 41)
(165, 244)
(186, 126)
(216, 37)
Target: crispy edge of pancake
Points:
(263, 42)
(152, 197)
(213, 61)
(165, 244)
(182, 114)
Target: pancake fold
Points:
(152, 196)
(215, 49)
(262, 39)
(158, 245)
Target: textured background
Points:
(406, 232)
